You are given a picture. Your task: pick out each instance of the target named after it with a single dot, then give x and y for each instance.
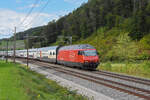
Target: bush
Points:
(145, 42)
(146, 66)
(108, 66)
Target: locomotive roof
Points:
(74, 47)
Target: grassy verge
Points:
(140, 69)
(19, 83)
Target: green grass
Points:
(9, 83)
(19, 83)
(140, 69)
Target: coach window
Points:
(53, 53)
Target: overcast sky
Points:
(13, 12)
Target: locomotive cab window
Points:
(80, 52)
(90, 53)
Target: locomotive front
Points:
(90, 58)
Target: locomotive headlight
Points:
(86, 61)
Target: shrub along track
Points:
(140, 92)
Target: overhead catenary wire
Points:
(38, 14)
(29, 13)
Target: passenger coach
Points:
(47, 54)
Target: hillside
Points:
(119, 29)
(116, 45)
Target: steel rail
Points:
(123, 77)
(126, 76)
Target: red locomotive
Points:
(82, 56)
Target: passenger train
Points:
(82, 56)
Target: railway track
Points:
(124, 77)
(132, 90)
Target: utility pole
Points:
(27, 46)
(15, 46)
(27, 39)
(70, 40)
(7, 52)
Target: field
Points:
(140, 69)
(19, 83)
(19, 44)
